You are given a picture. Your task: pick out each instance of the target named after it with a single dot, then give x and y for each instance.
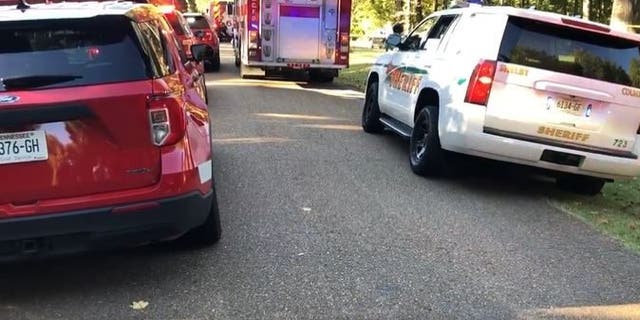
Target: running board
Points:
(396, 126)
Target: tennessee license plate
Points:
(26, 146)
(572, 106)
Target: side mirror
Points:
(199, 51)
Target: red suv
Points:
(204, 30)
(104, 140)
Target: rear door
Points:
(566, 86)
(73, 116)
(297, 30)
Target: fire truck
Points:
(221, 12)
(285, 35)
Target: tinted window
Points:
(572, 51)
(418, 35)
(198, 22)
(151, 39)
(89, 51)
(439, 29)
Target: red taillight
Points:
(585, 25)
(253, 36)
(167, 119)
(342, 54)
(481, 82)
(344, 39)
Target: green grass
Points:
(359, 65)
(615, 212)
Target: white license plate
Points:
(574, 106)
(26, 146)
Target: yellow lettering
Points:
(405, 82)
(564, 134)
(631, 92)
(514, 70)
(416, 84)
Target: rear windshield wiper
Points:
(35, 81)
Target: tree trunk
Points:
(622, 15)
(585, 9)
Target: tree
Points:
(624, 13)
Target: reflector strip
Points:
(204, 171)
(299, 12)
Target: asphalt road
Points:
(324, 221)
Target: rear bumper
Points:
(469, 136)
(295, 65)
(103, 228)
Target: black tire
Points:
(426, 156)
(236, 54)
(215, 62)
(243, 72)
(206, 91)
(371, 110)
(321, 77)
(584, 185)
(210, 231)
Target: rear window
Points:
(198, 22)
(571, 51)
(59, 53)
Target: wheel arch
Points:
(427, 97)
(373, 77)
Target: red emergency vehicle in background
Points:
(281, 35)
(221, 12)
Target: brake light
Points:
(167, 119)
(344, 39)
(585, 25)
(481, 82)
(253, 36)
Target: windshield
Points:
(69, 52)
(572, 51)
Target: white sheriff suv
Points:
(515, 85)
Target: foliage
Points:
(616, 211)
(382, 11)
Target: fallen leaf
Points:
(139, 305)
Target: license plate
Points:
(26, 146)
(572, 106)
